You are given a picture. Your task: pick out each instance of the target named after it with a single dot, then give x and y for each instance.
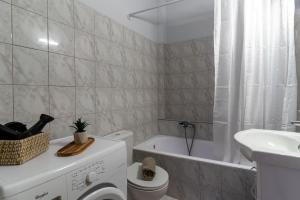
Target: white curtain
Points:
(255, 69)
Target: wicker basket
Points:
(17, 152)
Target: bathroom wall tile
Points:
(30, 66)
(103, 50)
(129, 38)
(61, 70)
(85, 72)
(5, 64)
(61, 38)
(84, 17)
(118, 99)
(140, 42)
(60, 127)
(117, 76)
(119, 120)
(30, 102)
(104, 123)
(5, 22)
(84, 45)
(120, 85)
(37, 6)
(117, 32)
(104, 76)
(85, 100)
(7, 1)
(103, 99)
(6, 103)
(117, 55)
(29, 29)
(102, 26)
(61, 11)
(62, 101)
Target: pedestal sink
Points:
(277, 156)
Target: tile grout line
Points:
(74, 60)
(12, 63)
(49, 104)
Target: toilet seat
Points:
(134, 178)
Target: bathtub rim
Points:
(139, 147)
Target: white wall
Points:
(119, 9)
(192, 29)
(189, 19)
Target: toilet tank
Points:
(126, 136)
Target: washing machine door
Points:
(107, 193)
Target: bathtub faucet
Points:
(186, 124)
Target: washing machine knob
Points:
(91, 177)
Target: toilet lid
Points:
(134, 176)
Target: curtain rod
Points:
(131, 15)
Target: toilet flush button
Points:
(91, 177)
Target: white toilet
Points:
(146, 190)
(138, 189)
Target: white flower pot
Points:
(80, 138)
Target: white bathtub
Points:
(200, 174)
(176, 146)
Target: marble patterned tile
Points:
(104, 76)
(104, 123)
(117, 74)
(30, 102)
(60, 127)
(117, 55)
(117, 32)
(85, 100)
(103, 99)
(37, 6)
(62, 101)
(103, 50)
(129, 38)
(6, 103)
(30, 66)
(5, 64)
(84, 45)
(5, 22)
(61, 70)
(119, 120)
(61, 11)
(29, 29)
(84, 17)
(118, 99)
(85, 73)
(7, 1)
(61, 38)
(102, 26)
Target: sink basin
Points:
(269, 145)
(277, 157)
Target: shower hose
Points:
(189, 146)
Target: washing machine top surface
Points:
(134, 176)
(47, 166)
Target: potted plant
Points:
(80, 135)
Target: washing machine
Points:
(99, 173)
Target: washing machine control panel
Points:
(87, 175)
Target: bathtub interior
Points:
(177, 145)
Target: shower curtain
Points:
(255, 69)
